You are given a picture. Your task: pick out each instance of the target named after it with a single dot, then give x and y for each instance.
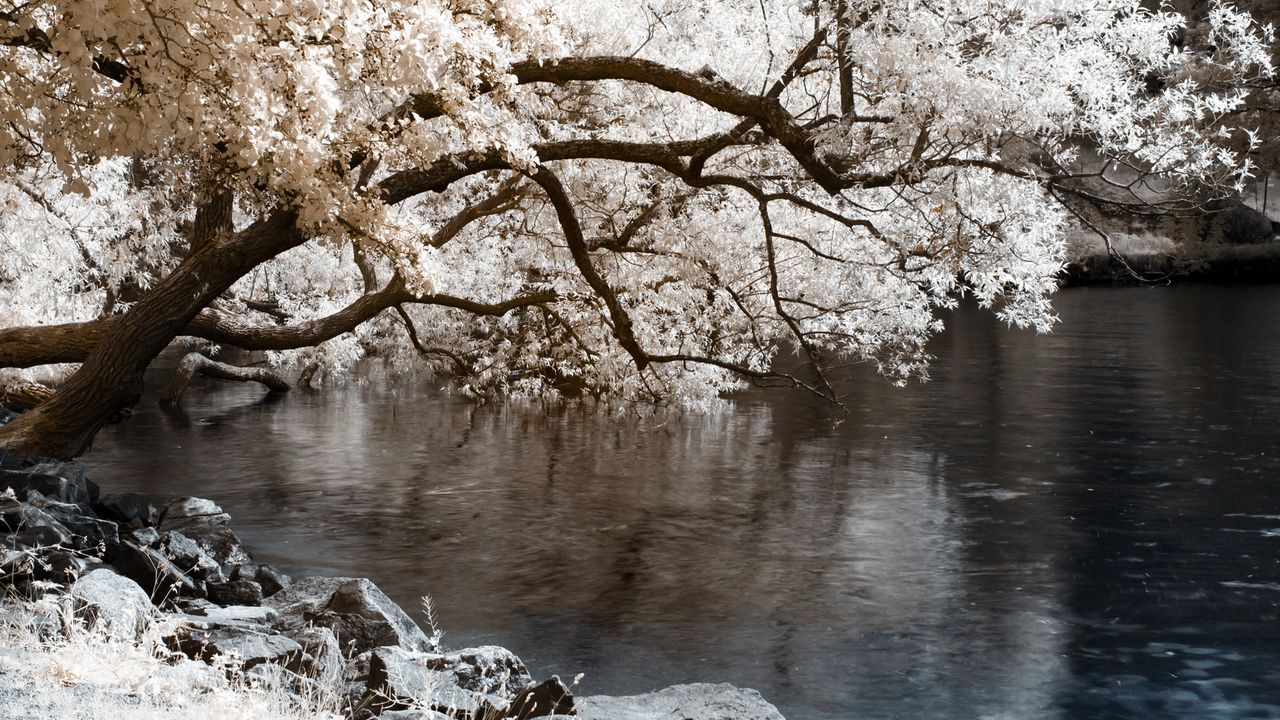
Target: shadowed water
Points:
(1084, 524)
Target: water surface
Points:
(1083, 524)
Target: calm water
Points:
(1079, 525)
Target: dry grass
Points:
(87, 673)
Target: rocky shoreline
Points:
(121, 566)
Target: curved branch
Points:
(704, 87)
(582, 258)
(196, 364)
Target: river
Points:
(1084, 524)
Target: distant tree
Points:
(540, 198)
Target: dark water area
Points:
(1084, 524)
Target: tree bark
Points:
(195, 363)
(110, 379)
(24, 393)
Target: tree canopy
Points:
(641, 204)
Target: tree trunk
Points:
(195, 363)
(110, 379)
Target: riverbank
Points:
(118, 606)
(1148, 260)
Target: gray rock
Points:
(323, 659)
(63, 567)
(111, 602)
(192, 511)
(549, 697)
(700, 701)
(153, 571)
(248, 646)
(413, 715)
(243, 614)
(359, 614)
(73, 489)
(271, 580)
(145, 537)
(49, 534)
(87, 530)
(477, 682)
(191, 558)
(10, 513)
(218, 542)
(132, 509)
(235, 592)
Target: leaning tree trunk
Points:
(197, 364)
(110, 379)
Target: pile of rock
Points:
(123, 562)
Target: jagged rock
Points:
(74, 489)
(10, 512)
(323, 660)
(549, 697)
(111, 602)
(357, 668)
(413, 715)
(50, 535)
(235, 592)
(248, 645)
(153, 571)
(477, 682)
(360, 615)
(219, 542)
(132, 509)
(87, 531)
(188, 555)
(195, 605)
(145, 537)
(271, 579)
(699, 701)
(189, 511)
(63, 567)
(240, 614)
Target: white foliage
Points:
(958, 109)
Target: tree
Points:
(537, 199)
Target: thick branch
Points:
(706, 88)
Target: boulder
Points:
(145, 537)
(549, 697)
(189, 511)
(63, 567)
(699, 701)
(74, 489)
(322, 661)
(194, 561)
(41, 537)
(477, 682)
(219, 542)
(87, 531)
(359, 614)
(10, 512)
(132, 509)
(111, 602)
(247, 645)
(418, 714)
(271, 580)
(239, 614)
(153, 571)
(235, 592)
